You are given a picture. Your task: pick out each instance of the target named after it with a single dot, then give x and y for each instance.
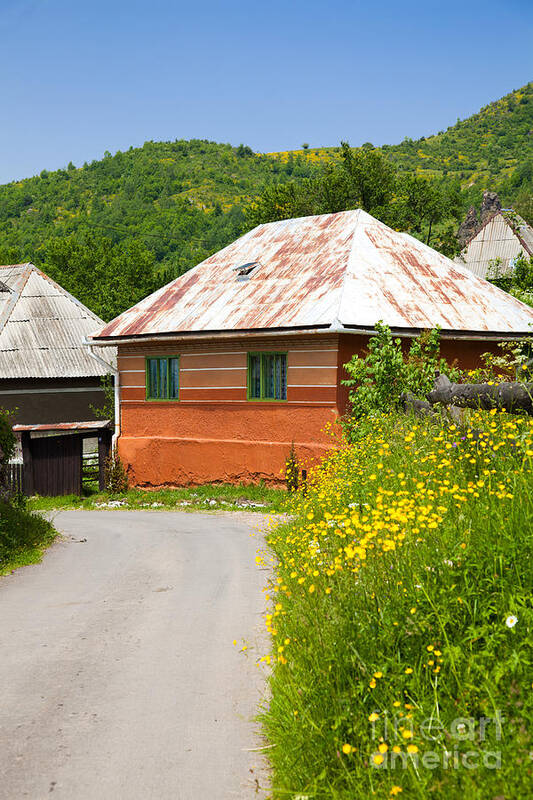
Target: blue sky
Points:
(77, 79)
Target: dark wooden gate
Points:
(55, 465)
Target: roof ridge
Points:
(506, 219)
(484, 225)
(336, 321)
(64, 292)
(15, 294)
(509, 222)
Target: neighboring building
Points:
(494, 248)
(223, 368)
(46, 373)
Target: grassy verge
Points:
(200, 498)
(23, 537)
(402, 619)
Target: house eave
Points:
(184, 336)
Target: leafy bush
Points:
(7, 447)
(518, 282)
(7, 437)
(402, 617)
(20, 530)
(115, 475)
(378, 379)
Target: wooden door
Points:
(56, 465)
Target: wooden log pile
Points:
(506, 396)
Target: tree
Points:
(108, 278)
(388, 369)
(518, 281)
(364, 179)
(421, 203)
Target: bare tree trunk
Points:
(410, 403)
(508, 396)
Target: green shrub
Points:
(7, 447)
(291, 470)
(116, 478)
(387, 370)
(7, 437)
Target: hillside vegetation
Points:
(115, 229)
(492, 149)
(181, 199)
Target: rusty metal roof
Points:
(346, 269)
(496, 245)
(91, 425)
(42, 327)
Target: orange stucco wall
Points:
(257, 453)
(213, 433)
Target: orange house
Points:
(222, 369)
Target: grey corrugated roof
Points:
(346, 268)
(42, 328)
(494, 248)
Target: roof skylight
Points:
(245, 270)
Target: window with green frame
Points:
(162, 378)
(267, 376)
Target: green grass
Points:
(24, 557)
(24, 536)
(397, 586)
(214, 497)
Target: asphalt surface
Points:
(119, 679)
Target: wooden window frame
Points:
(147, 379)
(262, 398)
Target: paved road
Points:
(118, 676)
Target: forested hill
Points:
(177, 197)
(492, 149)
(115, 229)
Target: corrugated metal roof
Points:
(42, 328)
(495, 247)
(346, 268)
(65, 426)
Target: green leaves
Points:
(108, 278)
(378, 379)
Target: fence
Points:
(14, 478)
(90, 472)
